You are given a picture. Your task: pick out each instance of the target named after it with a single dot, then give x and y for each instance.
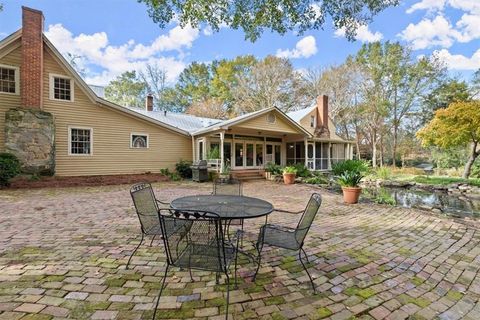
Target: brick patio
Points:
(62, 255)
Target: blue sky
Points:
(112, 36)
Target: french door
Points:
(248, 154)
(273, 153)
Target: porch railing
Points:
(214, 165)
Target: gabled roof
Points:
(234, 121)
(87, 89)
(182, 121)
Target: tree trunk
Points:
(468, 166)
(394, 147)
(374, 153)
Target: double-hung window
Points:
(9, 79)
(80, 141)
(61, 88)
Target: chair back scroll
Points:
(145, 206)
(198, 244)
(311, 210)
(227, 187)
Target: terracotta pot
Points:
(289, 178)
(351, 194)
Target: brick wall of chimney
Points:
(31, 74)
(149, 103)
(322, 109)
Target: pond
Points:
(451, 204)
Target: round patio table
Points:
(227, 207)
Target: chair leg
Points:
(259, 249)
(306, 270)
(135, 250)
(151, 242)
(160, 293)
(217, 278)
(228, 295)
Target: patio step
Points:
(248, 174)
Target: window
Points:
(9, 79)
(139, 140)
(312, 121)
(80, 141)
(61, 88)
(271, 118)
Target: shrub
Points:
(174, 176)
(290, 169)
(350, 179)
(302, 170)
(183, 169)
(273, 168)
(359, 166)
(475, 170)
(316, 180)
(9, 168)
(384, 173)
(213, 153)
(384, 197)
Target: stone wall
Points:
(30, 135)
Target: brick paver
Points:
(63, 255)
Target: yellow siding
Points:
(8, 101)
(260, 123)
(305, 121)
(111, 136)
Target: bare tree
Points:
(271, 82)
(209, 108)
(155, 79)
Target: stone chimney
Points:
(31, 72)
(29, 130)
(149, 102)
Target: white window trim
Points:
(17, 79)
(70, 141)
(139, 134)
(51, 89)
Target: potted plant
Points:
(289, 174)
(350, 181)
(225, 173)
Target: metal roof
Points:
(300, 114)
(181, 121)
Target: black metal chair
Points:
(199, 245)
(227, 187)
(290, 238)
(146, 206)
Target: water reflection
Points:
(452, 204)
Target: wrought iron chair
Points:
(229, 187)
(290, 238)
(199, 245)
(146, 206)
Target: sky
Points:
(113, 36)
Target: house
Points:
(56, 124)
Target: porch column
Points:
(306, 151)
(222, 160)
(329, 153)
(194, 155)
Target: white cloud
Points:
(304, 48)
(104, 61)
(458, 61)
(429, 33)
(363, 34)
(439, 31)
(430, 5)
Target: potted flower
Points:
(350, 181)
(289, 174)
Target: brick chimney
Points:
(31, 71)
(322, 109)
(149, 102)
